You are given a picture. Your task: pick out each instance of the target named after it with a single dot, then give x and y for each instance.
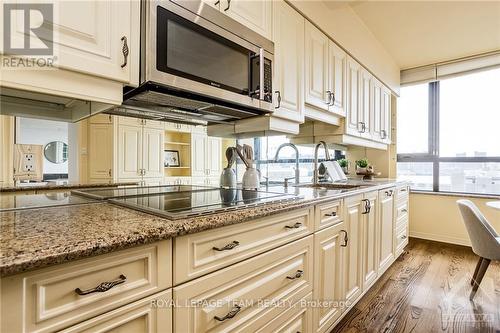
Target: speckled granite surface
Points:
(63, 185)
(37, 238)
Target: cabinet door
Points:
(352, 114)
(100, 154)
(386, 114)
(256, 15)
(337, 77)
(101, 118)
(370, 240)
(354, 208)
(288, 62)
(152, 152)
(213, 156)
(329, 268)
(198, 153)
(365, 79)
(316, 71)
(386, 232)
(129, 151)
(376, 114)
(89, 36)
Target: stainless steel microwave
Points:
(198, 63)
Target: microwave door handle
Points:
(261, 74)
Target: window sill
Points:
(458, 194)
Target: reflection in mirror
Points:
(56, 152)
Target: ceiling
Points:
(424, 32)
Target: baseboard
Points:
(440, 238)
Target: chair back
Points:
(483, 236)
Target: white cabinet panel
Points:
(198, 153)
(353, 219)
(370, 240)
(365, 79)
(386, 114)
(337, 77)
(100, 151)
(152, 160)
(376, 116)
(288, 37)
(213, 157)
(386, 232)
(254, 14)
(205, 156)
(129, 151)
(316, 67)
(352, 115)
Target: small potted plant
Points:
(344, 164)
(361, 165)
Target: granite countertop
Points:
(37, 238)
(59, 185)
(24, 200)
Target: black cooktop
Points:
(181, 201)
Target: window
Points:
(448, 134)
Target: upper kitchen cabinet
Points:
(365, 105)
(325, 77)
(352, 118)
(386, 115)
(256, 15)
(376, 117)
(95, 50)
(288, 37)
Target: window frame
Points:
(433, 154)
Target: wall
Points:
(341, 23)
(41, 132)
(437, 217)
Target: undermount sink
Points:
(332, 186)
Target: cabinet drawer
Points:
(240, 297)
(401, 210)
(328, 214)
(204, 252)
(57, 297)
(402, 193)
(152, 314)
(401, 238)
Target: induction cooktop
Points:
(181, 201)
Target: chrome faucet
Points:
(327, 157)
(297, 171)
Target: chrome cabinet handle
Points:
(332, 214)
(404, 210)
(109, 172)
(295, 226)
(228, 5)
(362, 127)
(346, 239)
(102, 287)
(217, 3)
(329, 98)
(227, 247)
(234, 311)
(332, 99)
(383, 134)
(367, 206)
(279, 99)
(403, 237)
(297, 275)
(125, 51)
(389, 193)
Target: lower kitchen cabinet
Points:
(149, 315)
(386, 231)
(244, 297)
(370, 223)
(329, 270)
(354, 208)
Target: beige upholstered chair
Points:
(484, 239)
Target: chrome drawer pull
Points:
(297, 275)
(227, 247)
(234, 311)
(404, 210)
(332, 214)
(102, 287)
(388, 193)
(346, 239)
(295, 226)
(403, 237)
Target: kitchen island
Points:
(100, 241)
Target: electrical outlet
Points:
(28, 162)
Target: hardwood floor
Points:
(427, 290)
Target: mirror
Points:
(56, 152)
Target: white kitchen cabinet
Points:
(140, 149)
(205, 155)
(288, 37)
(256, 14)
(352, 113)
(337, 62)
(386, 230)
(365, 105)
(386, 115)
(354, 207)
(376, 116)
(329, 271)
(370, 240)
(316, 67)
(100, 151)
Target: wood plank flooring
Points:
(427, 290)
